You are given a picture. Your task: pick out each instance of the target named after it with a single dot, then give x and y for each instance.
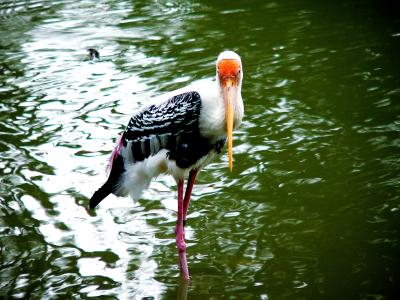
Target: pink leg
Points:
(180, 235)
(188, 193)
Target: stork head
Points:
(229, 77)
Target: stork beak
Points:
(228, 71)
(229, 91)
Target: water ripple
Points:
(313, 200)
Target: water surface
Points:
(311, 210)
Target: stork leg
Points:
(183, 205)
(188, 193)
(180, 235)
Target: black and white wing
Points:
(171, 125)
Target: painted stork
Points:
(178, 135)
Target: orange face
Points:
(228, 71)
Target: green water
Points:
(312, 208)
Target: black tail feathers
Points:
(99, 195)
(109, 187)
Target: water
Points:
(311, 210)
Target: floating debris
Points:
(93, 54)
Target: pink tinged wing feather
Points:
(115, 152)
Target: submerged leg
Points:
(188, 193)
(180, 235)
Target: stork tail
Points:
(111, 185)
(99, 195)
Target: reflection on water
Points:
(312, 208)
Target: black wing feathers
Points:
(171, 125)
(179, 114)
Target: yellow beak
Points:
(229, 92)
